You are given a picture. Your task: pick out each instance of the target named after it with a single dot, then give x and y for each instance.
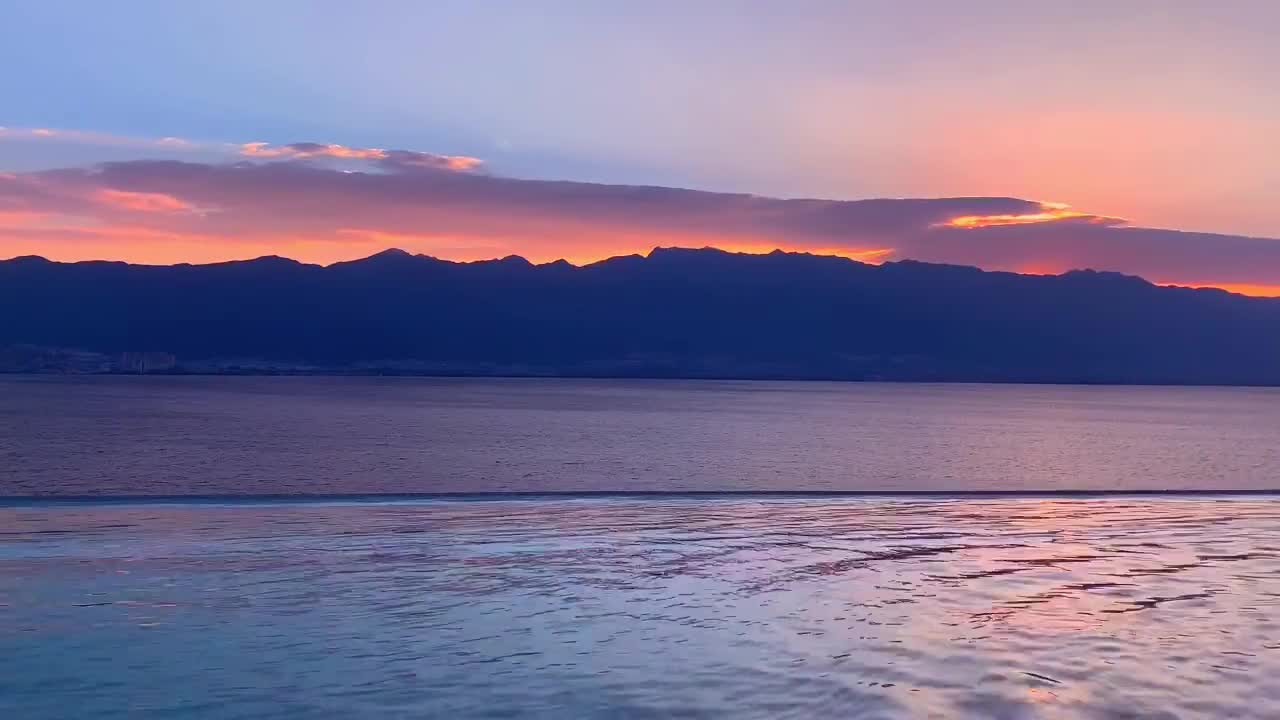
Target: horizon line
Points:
(542, 495)
(1265, 292)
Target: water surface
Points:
(229, 435)
(731, 607)
(708, 606)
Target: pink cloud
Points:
(386, 159)
(309, 150)
(14, 218)
(142, 201)
(438, 204)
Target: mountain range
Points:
(696, 313)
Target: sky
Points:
(1138, 136)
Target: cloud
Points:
(1048, 212)
(85, 137)
(142, 201)
(302, 150)
(15, 218)
(278, 199)
(394, 160)
(375, 158)
(403, 160)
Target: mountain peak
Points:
(677, 252)
(391, 252)
(279, 260)
(29, 260)
(388, 257)
(1104, 276)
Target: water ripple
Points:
(743, 607)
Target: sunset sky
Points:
(1135, 136)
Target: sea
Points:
(295, 547)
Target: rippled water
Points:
(728, 607)
(227, 435)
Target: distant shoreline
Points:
(551, 495)
(460, 375)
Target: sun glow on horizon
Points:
(1260, 291)
(871, 256)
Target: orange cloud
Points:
(1050, 212)
(307, 150)
(150, 202)
(410, 160)
(461, 162)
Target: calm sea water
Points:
(721, 606)
(643, 608)
(169, 436)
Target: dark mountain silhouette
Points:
(674, 313)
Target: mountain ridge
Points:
(398, 254)
(675, 312)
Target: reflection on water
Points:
(731, 607)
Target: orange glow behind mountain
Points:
(1266, 291)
